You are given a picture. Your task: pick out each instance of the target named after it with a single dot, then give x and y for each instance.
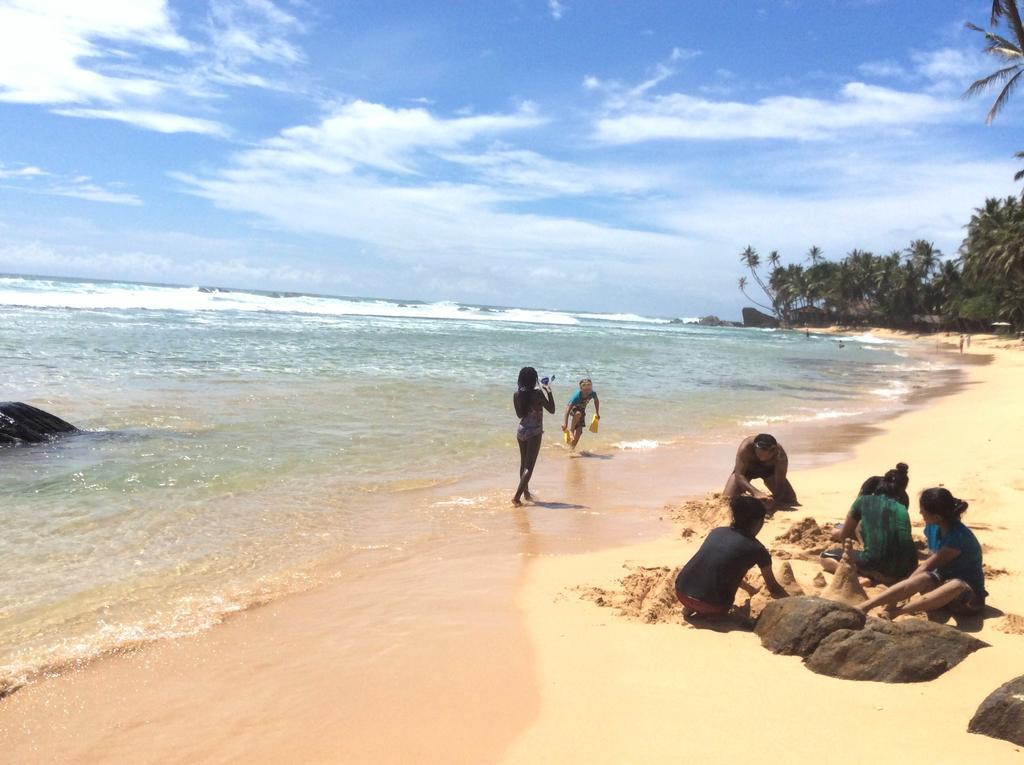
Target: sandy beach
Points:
(509, 663)
(630, 691)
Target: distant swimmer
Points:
(761, 456)
(530, 404)
(576, 412)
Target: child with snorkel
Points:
(576, 412)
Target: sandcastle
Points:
(845, 586)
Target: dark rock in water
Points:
(24, 424)
(1001, 715)
(795, 626)
(754, 318)
(910, 651)
(712, 321)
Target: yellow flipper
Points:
(593, 423)
(567, 436)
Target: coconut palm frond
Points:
(979, 86)
(999, 46)
(1009, 9)
(997, 11)
(1003, 97)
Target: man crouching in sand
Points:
(761, 456)
(707, 584)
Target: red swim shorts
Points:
(707, 609)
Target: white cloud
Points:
(26, 171)
(952, 65)
(44, 44)
(883, 69)
(538, 176)
(108, 59)
(247, 32)
(34, 180)
(844, 206)
(856, 106)
(941, 70)
(620, 96)
(556, 8)
(410, 184)
(371, 135)
(161, 122)
(40, 258)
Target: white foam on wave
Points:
(627, 317)
(96, 296)
(460, 502)
(644, 444)
(868, 339)
(810, 416)
(894, 390)
(123, 296)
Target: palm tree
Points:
(752, 261)
(1009, 50)
(992, 258)
(814, 255)
(742, 284)
(924, 256)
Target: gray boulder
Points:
(909, 651)
(754, 318)
(24, 424)
(795, 626)
(1001, 715)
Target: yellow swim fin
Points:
(567, 435)
(593, 423)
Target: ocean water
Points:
(236, 440)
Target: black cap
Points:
(765, 441)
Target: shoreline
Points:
(549, 536)
(704, 456)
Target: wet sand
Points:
(478, 652)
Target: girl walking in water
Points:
(530, 403)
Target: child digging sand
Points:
(880, 518)
(951, 576)
(708, 582)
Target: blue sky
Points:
(560, 154)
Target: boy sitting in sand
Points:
(707, 584)
(951, 576)
(576, 411)
(882, 522)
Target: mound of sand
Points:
(757, 601)
(700, 515)
(648, 594)
(845, 585)
(784, 574)
(1013, 624)
(807, 537)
